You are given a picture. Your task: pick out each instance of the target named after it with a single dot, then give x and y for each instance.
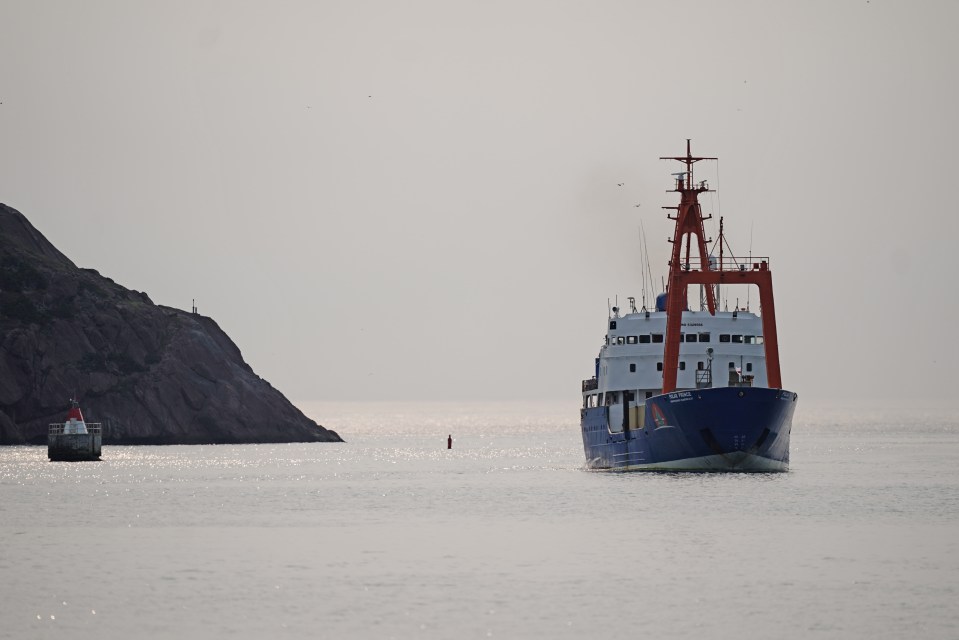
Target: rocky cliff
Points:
(150, 374)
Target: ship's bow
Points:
(721, 429)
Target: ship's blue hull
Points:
(718, 429)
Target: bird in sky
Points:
(619, 184)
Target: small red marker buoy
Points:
(449, 441)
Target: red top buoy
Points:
(74, 423)
(74, 413)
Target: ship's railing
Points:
(56, 429)
(731, 263)
(590, 385)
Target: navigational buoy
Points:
(74, 439)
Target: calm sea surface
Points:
(391, 535)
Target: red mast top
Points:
(689, 222)
(74, 413)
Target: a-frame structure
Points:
(682, 273)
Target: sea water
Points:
(392, 535)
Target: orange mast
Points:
(689, 222)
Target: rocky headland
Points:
(150, 374)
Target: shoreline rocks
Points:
(150, 374)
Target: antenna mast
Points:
(689, 222)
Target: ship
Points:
(675, 389)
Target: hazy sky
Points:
(419, 200)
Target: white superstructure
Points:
(719, 350)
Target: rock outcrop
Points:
(150, 374)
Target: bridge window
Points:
(759, 340)
(700, 366)
(644, 339)
(657, 337)
(724, 337)
(620, 340)
(612, 324)
(632, 368)
(690, 337)
(749, 339)
(659, 366)
(649, 394)
(630, 339)
(704, 337)
(682, 366)
(738, 339)
(749, 366)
